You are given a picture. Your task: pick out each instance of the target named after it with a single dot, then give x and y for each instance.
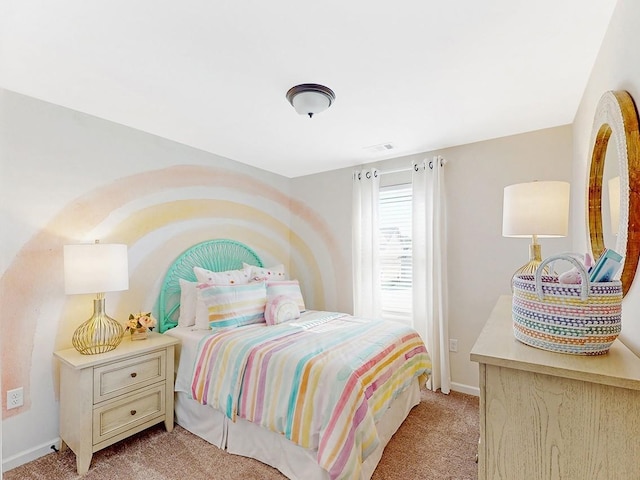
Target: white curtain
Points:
(366, 263)
(430, 302)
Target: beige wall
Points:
(67, 177)
(481, 261)
(617, 68)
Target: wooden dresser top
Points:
(497, 346)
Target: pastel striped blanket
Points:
(322, 381)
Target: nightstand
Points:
(107, 397)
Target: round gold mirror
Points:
(616, 121)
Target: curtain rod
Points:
(407, 169)
(397, 170)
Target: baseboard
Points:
(29, 455)
(468, 389)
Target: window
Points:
(395, 252)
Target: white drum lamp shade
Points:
(95, 268)
(614, 203)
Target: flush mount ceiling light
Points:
(310, 98)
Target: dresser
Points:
(547, 415)
(107, 397)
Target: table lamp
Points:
(536, 210)
(96, 268)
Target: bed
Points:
(319, 410)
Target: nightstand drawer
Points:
(118, 416)
(118, 378)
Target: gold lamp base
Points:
(100, 333)
(535, 259)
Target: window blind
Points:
(395, 252)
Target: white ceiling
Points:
(420, 74)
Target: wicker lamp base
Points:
(99, 334)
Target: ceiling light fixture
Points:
(310, 98)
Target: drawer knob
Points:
(133, 412)
(134, 375)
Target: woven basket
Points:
(581, 319)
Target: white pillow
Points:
(261, 274)
(281, 309)
(188, 299)
(230, 277)
(287, 288)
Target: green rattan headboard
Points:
(215, 255)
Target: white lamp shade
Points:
(95, 268)
(536, 208)
(310, 102)
(614, 203)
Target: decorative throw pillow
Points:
(230, 277)
(188, 299)
(259, 274)
(287, 288)
(231, 305)
(281, 309)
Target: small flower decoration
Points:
(141, 320)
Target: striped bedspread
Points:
(321, 381)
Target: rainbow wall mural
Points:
(158, 214)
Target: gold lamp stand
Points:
(535, 259)
(100, 333)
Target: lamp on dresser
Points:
(614, 204)
(535, 209)
(96, 268)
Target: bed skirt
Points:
(249, 440)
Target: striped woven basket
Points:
(581, 319)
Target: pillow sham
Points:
(231, 305)
(259, 274)
(288, 288)
(230, 277)
(188, 299)
(281, 309)
(189, 304)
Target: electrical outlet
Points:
(453, 344)
(14, 398)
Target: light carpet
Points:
(438, 440)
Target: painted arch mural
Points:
(158, 214)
